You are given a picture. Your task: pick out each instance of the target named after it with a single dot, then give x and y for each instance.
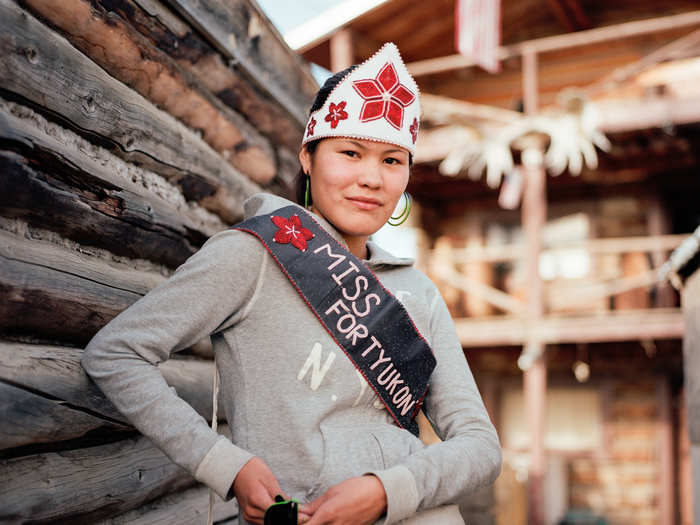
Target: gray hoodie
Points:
(290, 394)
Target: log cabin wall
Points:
(130, 132)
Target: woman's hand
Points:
(356, 501)
(255, 488)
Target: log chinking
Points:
(38, 66)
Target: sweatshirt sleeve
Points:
(207, 293)
(469, 456)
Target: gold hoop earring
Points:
(401, 217)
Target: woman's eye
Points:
(392, 160)
(350, 153)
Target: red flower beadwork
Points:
(291, 231)
(336, 113)
(384, 96)
(310, 127)
(414, 130)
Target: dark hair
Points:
(311, 146)
(319, 101)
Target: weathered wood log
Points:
(170, 34)
(30, 419)
(19, 243)
(52, 304)
(93, 212)
(23, 129)
(39, 66)
(181, 508)
(240, 31)
(55, 373)
(128, 56)
(84, 485)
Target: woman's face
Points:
(356, 183)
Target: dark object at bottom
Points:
(282, 512)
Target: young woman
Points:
(319, 396)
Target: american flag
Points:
(478, 31)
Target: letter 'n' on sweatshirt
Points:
(313, 363)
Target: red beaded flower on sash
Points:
(291, 231)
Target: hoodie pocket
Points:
(353, 451)
(347, 452)
(395, 444)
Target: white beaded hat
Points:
(376, 101)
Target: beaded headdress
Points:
(376, 101)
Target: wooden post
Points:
(534, 215)
(658, 223)
(667, 509)
(342, 54)
(690, 298)
(535, 380)
(685, 481)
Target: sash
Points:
(367, 322)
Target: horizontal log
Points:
(129, 57)
(55, 373)
(84, 485)
(38, 65)
(30, 419)
(24, 130)
(166, 31)
(629, 325)
(55, 305)
(242, 33)
(62, 291)
(588, 37)
(181, 508)
(94, 213)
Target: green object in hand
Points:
(282, 512)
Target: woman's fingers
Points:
(255, 488)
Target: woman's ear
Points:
(305, 159)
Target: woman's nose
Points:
(370, 175)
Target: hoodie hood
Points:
(263, 203)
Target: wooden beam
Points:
(567, 41)
(494, 296)
(628, 325)
(342, 50)
(628, 115)
(436, 107)
(510, 252)
(43, 68)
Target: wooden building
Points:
(550, 195)
(130, 131)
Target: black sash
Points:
(368, 323)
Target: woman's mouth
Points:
(365, 203)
